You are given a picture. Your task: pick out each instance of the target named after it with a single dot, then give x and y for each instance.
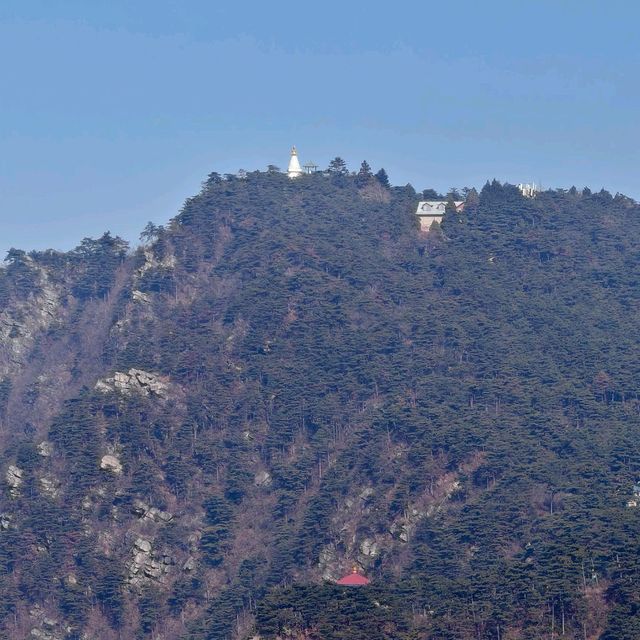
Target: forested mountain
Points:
(198, 436)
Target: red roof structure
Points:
(354, 579)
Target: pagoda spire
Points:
(295, 169)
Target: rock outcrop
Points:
(22, 321)
(262, 479)
(46, 627)
(146, 512)
(151, 262)
(140, 296)
(147, 565)
(50, 486)
(45, 449)
(14, 478)
(135, 381)
(369, 548)
(111, 463)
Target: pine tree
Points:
(338, 167)
(365, 175)
(383, 178)
(451, 205)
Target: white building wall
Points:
(430, 211)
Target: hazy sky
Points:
(112, 112)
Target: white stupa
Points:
(294, 169)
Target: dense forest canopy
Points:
(289, 378)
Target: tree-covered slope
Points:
(289, 379)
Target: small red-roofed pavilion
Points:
(354, 579)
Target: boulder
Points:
(135, 381)
(111, 463)
(262, 479)
(42, 635)
(369, 548)
(14, 477)
(153, 569)
(147, 565)
(158, 516)
(140, 296)
(142, 545)
(45, 449)
(139, 508)
(400, 530)
(143, 510)
(366, 494)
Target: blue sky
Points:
(112, 112)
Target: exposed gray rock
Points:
(401, 530)
(158, 516)
(135, 381)
(328, 562)
(139, 508)
(5, 521)
(139, 296)
(143, 510)
(153, 569)
(49, 622)
(146, 565)
(143, 545)
(168, 560)
(48, 628)
(150, 262)
(40, 634)
(50, 486)
(14, 478)
(189, 565)
(45, 449)
(369, 548)
(366, 494)
(111, 463)
(262, 479)
(22, 321)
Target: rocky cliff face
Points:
(289, 380)
(22, 322)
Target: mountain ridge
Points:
(455, 412)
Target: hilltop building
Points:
(529, 190)
(294, 169)
(354, 579)
(430, 211)
(310, 167)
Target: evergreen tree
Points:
(364, 175)
(451, 205)
(216, 531)
(383, 178)
(338, 167)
